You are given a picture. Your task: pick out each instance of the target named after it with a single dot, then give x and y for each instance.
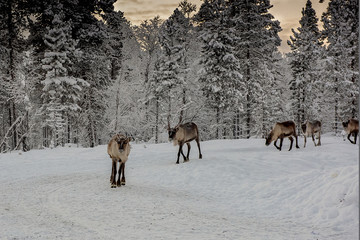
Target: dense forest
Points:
(78, 71)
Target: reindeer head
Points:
(345, 124)
(122, 141)
(172, 131)
(269, 138)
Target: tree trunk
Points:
(336, 109)
(157, 120)
(183, 104)
(248, 97)
(11, 70)
(217, 122)
(117, 110)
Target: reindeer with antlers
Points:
(184, 133)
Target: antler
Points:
(180, 119)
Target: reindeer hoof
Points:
(186, 160)
(122, 183)
(113, 186)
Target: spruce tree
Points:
(147, 35)
(257, 32)
(12, 47)
(305, 54)
(61, 91)
(220, 73)
(341, 30)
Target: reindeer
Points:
(118, 150)
(309, 129)
(351, 127)
(184, 133)
(281, 130)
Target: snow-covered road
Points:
(241, 189)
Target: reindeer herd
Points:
(119, 145)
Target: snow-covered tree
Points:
(114, 21)
(147, 35)
(126, 112)
(341, 31)
(257, 32)
(174, 39)
(305, 53)
(61, 91)
(12, 47)
(220, 73)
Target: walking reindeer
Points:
(184, 133)
(310, 129)
(280, 131)
(351, 127)
(118, 150)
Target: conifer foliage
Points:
(306, 49)
(76, 72)
(61, 91)
(341, 30)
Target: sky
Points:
(288, 12)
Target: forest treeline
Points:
(78, 71)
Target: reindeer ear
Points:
(129, 139)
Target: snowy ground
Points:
(241, 189)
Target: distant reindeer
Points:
(309, 129)
(118, 150)
(351, 127)
(184, 133)
(282, 130)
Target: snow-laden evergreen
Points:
(341, 31)
(219, 67)
(306, 82)
(61, 91)
(220, 75)
(256, 50)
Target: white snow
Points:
(241, 189)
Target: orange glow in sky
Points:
(288, 12)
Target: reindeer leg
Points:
(313, 138)
(118, 183)
(113, 174)
(123, 181)
(291, 142)
(281, 143)
(188, 153)
(198, 144)
(319, 142)
(296, 141)
(180, 151)
(279, 148)
(355, 137)
(356, 134)
(304, 141)
(350, 139)
(112, 170)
